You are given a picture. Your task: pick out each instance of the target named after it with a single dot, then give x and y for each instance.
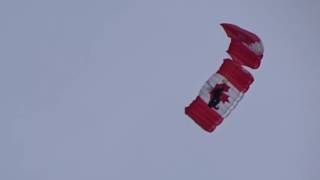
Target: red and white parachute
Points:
(224, 89)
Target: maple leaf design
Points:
(218, 94)
(224, 98)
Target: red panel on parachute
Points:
(200, 112)
(237, 75)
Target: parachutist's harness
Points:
(215, 97)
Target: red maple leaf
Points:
(224, 98)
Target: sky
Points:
(97, 90)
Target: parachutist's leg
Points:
(215, 98)
(213, 103)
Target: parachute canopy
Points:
(224, 89)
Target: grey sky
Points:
(97, 90)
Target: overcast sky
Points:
(97, 89)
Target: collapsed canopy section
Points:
(245, 47)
